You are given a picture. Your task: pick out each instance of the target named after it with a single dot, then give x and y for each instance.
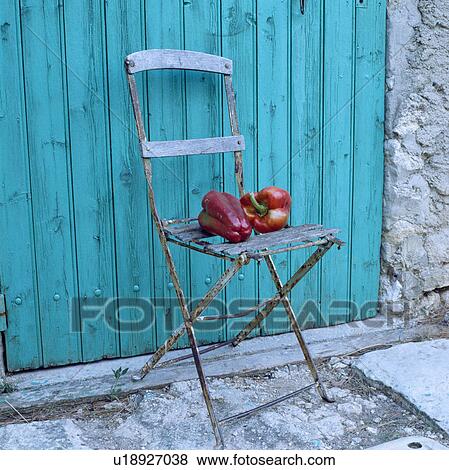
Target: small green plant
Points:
(118, 374)
(5, 386)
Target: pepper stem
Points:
(261, 209)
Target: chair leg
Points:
(205, 389)
(297, 330)
(188, 322)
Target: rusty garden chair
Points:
(188, 234)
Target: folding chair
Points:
(188, 234)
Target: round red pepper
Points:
(267, 210)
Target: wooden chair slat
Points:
(158, 59)
(176, 148)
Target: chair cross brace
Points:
(256, 409)
(258, 249)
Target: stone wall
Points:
(415, 248)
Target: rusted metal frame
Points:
(299, 274)
(204, 387)
(241, 314)
(276, 401)
(336, 241)
(203, 249)
(136, 105)
(199, 309)
(214, 347)
(171, 266)
(233, 119)
(297, 330)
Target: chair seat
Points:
(302, 235)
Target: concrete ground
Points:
(418, 373)
(41, 391)
(175, 417)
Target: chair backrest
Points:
(159, 59)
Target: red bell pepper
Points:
(267, 210)
(223, 215)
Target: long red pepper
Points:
(223, 215)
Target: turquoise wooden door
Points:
(75, 223)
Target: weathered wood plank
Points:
(306, 141)
(267, 240)
(193, 231)
(17, 265)
(204, 117)
(91, 172)
(188, 232)
(239, 42)
(134, 243)
(156, 59)
(337, 151)
(368, 154)
(176, 148)
(50, 165)
(273, 53)
(167, 107)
